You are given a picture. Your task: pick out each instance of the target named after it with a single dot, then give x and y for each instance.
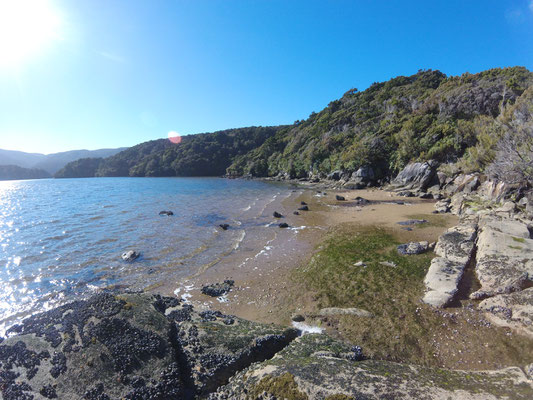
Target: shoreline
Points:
(263, 290)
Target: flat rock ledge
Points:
(504, 256)
(455, 249)
(139, 346)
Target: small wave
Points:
(304, 328)
(239, 240)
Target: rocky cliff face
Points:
(136, 346)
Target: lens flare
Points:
(174, 137)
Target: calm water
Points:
(62, 239)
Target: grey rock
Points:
(339, 198)
(168, 213)
(412, 248)
(412, 222)
(417, 175)
(130, 256)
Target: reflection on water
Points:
(61, 239)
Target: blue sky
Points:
(117, 73)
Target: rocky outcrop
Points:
(455, 250)
(130, 346)
(504, 256)
(417, 175)
(513, 310)
(317, 367)
(138, 346)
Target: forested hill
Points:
(455, 120)
(14, 172)
(458, 120)
(207, 154)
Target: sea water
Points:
(62, 239)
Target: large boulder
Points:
(417, 175)
(455, 249)
(364, 174)
(504, 256)
(442, 282)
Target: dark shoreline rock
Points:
(218, 289)
(168, 213)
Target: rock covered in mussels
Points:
(130, 346)
(218, 289)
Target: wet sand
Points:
(261, 267)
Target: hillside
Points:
(207, 154)
(14, 172)
(460, 121)
(421, 117)
(51, 163)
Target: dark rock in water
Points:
(284, 225)
(407, 229)
(224, 226)
(412, 222)
(296, 213)
(130, 256)
(298, 318)
(413, 248)
(426, 196)
(218, 289)
(303, 203)
(406, 193)
(361, 201)
(277, 215)
(303, 208)
(339, 198)
(166, 213)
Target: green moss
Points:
(519, 240)
(403, 329)
(515, 247)
(339, 397)
(283, 387)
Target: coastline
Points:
(264, 288)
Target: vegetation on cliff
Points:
(466, 121)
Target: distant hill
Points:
(206, 154)
(14, 172)
(51, 162)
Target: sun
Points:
(26, 28)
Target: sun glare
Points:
(26, 28)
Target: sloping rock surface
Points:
(504, 256)
(455, 249)
(317, 367)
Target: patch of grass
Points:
(516, 247)
(403, 328)
(519, 240)
(282, 387)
